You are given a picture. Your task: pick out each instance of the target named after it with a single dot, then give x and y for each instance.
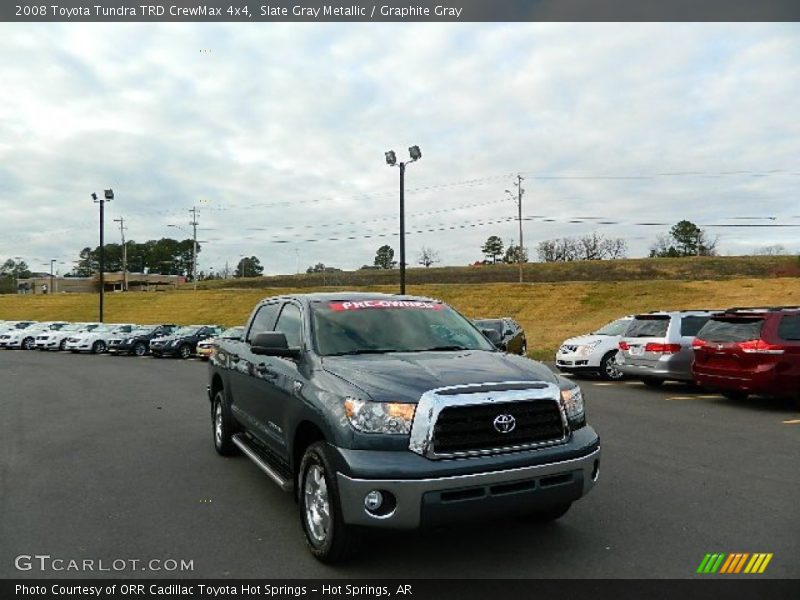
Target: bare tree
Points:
(588, 247)
(428, 257)
(774, 250)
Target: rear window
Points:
(789, 328)
(691, 325)
(731, 330)
(648, 326)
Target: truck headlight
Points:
(572, 401)
(379, 417)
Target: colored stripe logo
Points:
(737, 562)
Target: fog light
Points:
(373, 500)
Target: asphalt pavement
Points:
(108, 458)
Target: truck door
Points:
(240, 363)
(272, 381)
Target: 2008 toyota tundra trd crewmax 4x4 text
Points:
(396, 412)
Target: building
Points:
(42, 283)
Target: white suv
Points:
(595, 352)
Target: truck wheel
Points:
(551, 514)
(98, 347)
(184, 351)
(222, 425)
(140, 349)
(608, 367)
(329, 538)
(652, 382)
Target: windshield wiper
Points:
(365, 351)
(443, 348)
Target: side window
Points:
(264, 320)
(691, 325)
(290, 323)
(789, 328)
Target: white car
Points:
(25, 339)
(15, 333)
(595, 352)
(96, 340)
(57, 339)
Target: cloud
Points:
(277, 133)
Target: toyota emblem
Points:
(504, 423)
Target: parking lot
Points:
(111, 458)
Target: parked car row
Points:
(737, 351)
(118, 338)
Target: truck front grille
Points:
(471, 428)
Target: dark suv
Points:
(746, 351)
(183, 341)
(137, 342)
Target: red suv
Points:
(744, 351)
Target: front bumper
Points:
(567, 474)
(577, 361)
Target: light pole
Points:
(108, 196)
(122, 228)
(391, 159)
(518, 200)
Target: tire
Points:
(608, 367)
(222, 426)
(735, 395)
(551, 514)
(185, 351)
(330, 540)
(139, 349)
(652, 382)
(28, 343)
(62, 345)
(98, 347)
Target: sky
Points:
(277, 133)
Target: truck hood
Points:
(405, 376)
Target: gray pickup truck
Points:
(396, 412)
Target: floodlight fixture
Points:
(391, 158)
(415, 153)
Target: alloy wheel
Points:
(317, 504)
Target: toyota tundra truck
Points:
(387, 411)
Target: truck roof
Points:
(332, 296)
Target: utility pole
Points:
(122, 228)
(193, 223)
(520, 193)
(52, 262)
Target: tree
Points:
(774, 250)
(384, 257)
(317, 268)
(428, 256)
(10, 272)
(165, 256)
(512, 255)
(684, 239)
(588, 247)
(493, 248)
(249, 267)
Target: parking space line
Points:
(633, 383)
(606, 384)
(682, 398)
(792, 422)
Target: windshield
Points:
(617, 327)
(185, 331)
(142, 331)
(377, 326)
(23, 325)
(101, 329)
(72, 327)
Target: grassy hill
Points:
(549, 312)
(693, 268)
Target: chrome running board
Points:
(241, 442)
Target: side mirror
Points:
(272, 343)
(508, 332)
(494, 337)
